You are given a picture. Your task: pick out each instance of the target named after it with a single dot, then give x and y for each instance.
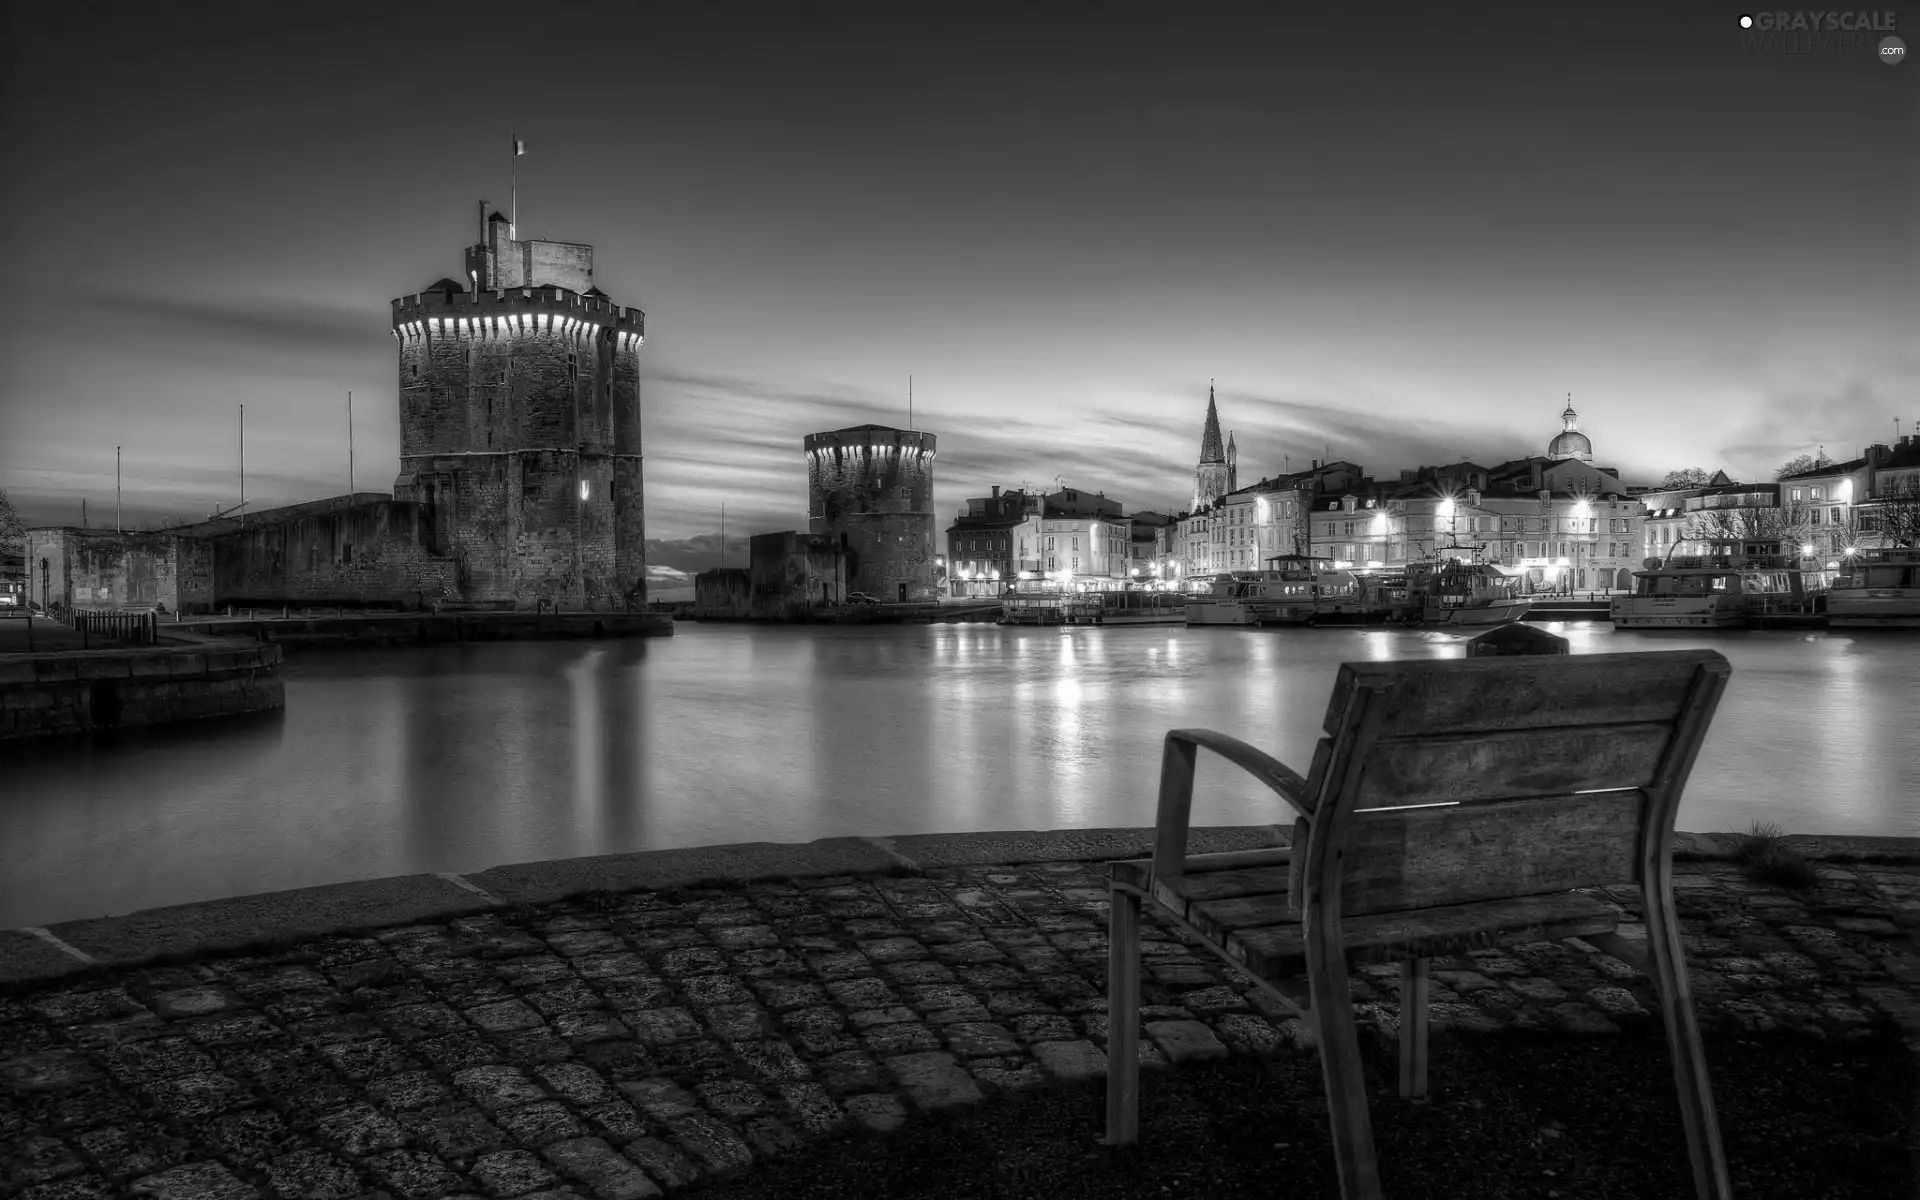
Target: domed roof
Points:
(1571, 444)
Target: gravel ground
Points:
(1510, 1115)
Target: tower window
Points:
(583, 489)
(416, 371)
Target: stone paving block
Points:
(130, 1151)
(199, 1095)
(691, 960)
(770, 1137)
(360, 1129)
(1071, 1062)
(664, 1164)
(596, 1025)
(866, 1018)
(812, 1107)
(659, 1026)
(1185, 1041)
(455, 1132)
(511, 1173)
(458, 1051)
(840, 964)
(877, 1112)
(736, 1022)
(893, 949)
(855, 994)
(627, 995)
(934, 1080)
(732, 1098)
(540, 1124)
(39, 1159)
(888, 1040)
(714, 989)
(497, 1087)
(1043, 1027)
(601, 1169)
(620, 964)
(620, 1061)
(573, 1082)
(773, 1060)
(661, 1099)
(1615, 1001)
(709, 1142)
(504, 1015)
(195, 1181)
(919, 972)
(312, 1174)
(414, 1174)
(974, 1039)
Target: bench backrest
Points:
(1452, 781)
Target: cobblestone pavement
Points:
(625, 1046)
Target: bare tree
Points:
(1896, 514)
(1687, 477)
(13, 530)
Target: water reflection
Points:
(468, 756)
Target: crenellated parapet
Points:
(515, 312)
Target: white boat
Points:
(1880, 589)
(1283, 597)
(1724, 591)
(1459, 593)
(1131, 607)
(1360, 597)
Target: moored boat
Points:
(1725, 591)
(1033, 608)
(1130, 607)
(1880, 589)
(1459, 593)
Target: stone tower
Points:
(1213, 478)
(871, 488)
(520, 424)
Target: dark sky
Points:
(1402, 233)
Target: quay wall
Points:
(45, 695)
(386, 629)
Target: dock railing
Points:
(141, 627)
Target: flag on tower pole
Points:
(513, 201)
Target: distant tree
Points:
(13, 530)
(1687, 477)
(1896, 513)
(1797, 464)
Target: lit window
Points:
(583, 489)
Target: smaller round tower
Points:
(870, 488)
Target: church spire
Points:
(1211, 450)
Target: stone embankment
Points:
(416, 627)
(82, 691)
(506, 1033)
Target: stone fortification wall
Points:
(377, 552)
(794, 573)
(99, 568)
(723, 594)
(44, 695)
(871, 489)
(520, 430)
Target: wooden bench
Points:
(1454, 805)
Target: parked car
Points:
(861, 598)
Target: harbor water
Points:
(391, 761)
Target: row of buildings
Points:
(1567, 522)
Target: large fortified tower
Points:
(520, 424)
(871, 488)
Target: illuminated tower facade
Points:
(520, 424)
(1214, 477)
(871, 488)
(1570, 442)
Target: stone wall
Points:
(723, 594)
(792, 573)
(99, 568)
(379, 552)
(871, 489)
(44, 695)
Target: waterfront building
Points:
(1845, 506)
(520, 424)
(1143, 556)
(1073, 541)
(871, 488)
(980, 553)
(1891, 515)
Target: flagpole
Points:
(513, 200)
(909, 402)
(349, 446)
(243, 464)
(117, 528)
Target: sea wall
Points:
(44, 695)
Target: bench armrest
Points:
(1176, 789)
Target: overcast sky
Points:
(1398, 235)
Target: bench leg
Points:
(1413, 1027)
(1123, 1018)
(1346, 1083)
(1683, 1043)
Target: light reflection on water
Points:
(458, 758)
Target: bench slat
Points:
(1461, 854)
(1479, 694)
(1279, 951)
(1504, 765)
